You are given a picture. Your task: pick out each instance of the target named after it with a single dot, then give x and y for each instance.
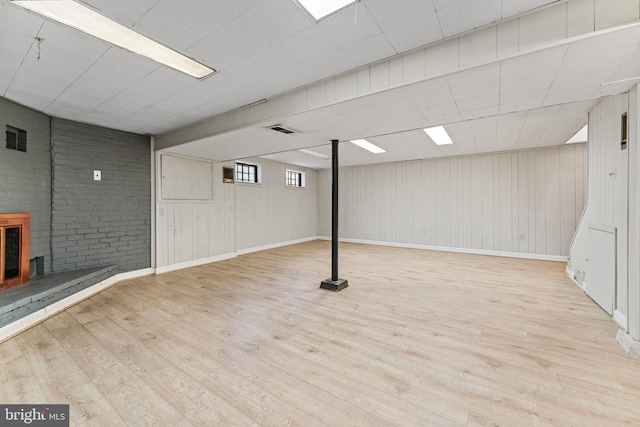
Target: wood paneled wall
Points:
(608, 204)
(521, 202)
(188, 230)
(238, 217)
(270, 213)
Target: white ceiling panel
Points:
(183, 24)
(366, 51)
(514, 7)
(421, 31)
(124, 11)
(265, 48)
(463, 15)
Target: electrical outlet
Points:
(161, 211)
(97, 175)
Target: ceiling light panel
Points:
(82, 18)
(322, 8)
(363, 143)
(439, 135)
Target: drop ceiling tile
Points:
(123, 11)
(180, 25)
(419, 32)
(486, 101)
(476, 88)
(276, 20)
(515, 7)
(531, 70)
(543, 27)
(369, 50)
(480, 112)
(232, 43)
(466, 77)
(468, 14)
(309, 44)
(389, 16)
(346, 28)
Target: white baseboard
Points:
(456, 250)
(275, 245)
(631, 346)
(572, 276)
(26, 322)
(193, 263)
(620, 319)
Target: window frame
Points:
(300, 180)
(257, 173)
(20, 142)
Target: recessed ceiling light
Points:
(314, 153)
(82, 18)
(439, 135)
(581, 136)
(322, 8)
(363, 143)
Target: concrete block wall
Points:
(102, 222)
(25, 178)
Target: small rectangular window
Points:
(294, 178)
(247, 172)
(16, 139)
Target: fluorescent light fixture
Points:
(439, 135)
(363, 143)
(581, 136)
(82, 18)
(314, 153)
(322, 8)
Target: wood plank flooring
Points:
(419, 338)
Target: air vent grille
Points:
(281, 129)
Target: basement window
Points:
(16, 139)
(295, 179)
(247, 172)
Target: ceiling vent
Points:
(281, 129)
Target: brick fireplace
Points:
(14, 249)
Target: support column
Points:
(334, 283)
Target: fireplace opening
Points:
(14, 249)
(12, 253)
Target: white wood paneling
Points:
(602, 266)
(508, 202)
(269, 212)
(185, 179)
(191, 229)
(241, 216)
(608, 206)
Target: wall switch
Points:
(97, 175)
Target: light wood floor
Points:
(419, 338)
